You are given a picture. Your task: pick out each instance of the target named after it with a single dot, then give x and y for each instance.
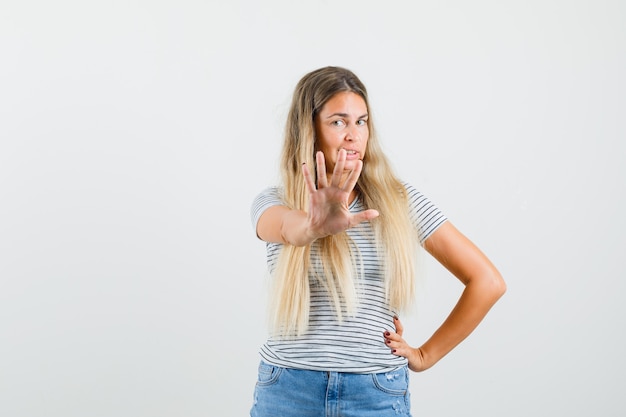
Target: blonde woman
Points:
(342, 235)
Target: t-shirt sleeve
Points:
(267, 198)
(426, 217)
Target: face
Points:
(342, 124)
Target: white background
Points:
(134, 136)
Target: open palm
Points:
(328, 201)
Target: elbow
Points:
(497, 286)
(489, 284)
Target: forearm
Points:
(475, 302)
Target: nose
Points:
(352, 134)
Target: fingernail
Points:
(396, 318)
(393, 351)
(387, 334)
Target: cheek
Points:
(328, 140)
(324, 147)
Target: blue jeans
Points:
(285, 392)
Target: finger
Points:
(308, 179)
(393, 339)
(396, 344)
(402, 351)
(353, 177)
(363, 216)
(388, 338)
(399, 326)
(322, 181)
(338, 170)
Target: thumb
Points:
(365, 215)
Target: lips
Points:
(351, 153)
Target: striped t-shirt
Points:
(355, 344)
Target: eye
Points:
(361, 122)
(338, 123)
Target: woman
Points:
(342, 237)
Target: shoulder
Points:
(413, 194)
(425, 215)
(270, 193)
(268, 197)
(416, 198)
(410, 189)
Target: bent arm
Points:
(483, 287)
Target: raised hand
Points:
(328, 212)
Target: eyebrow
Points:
(346, 115)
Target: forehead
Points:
(345, 102)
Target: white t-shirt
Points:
(355, 344)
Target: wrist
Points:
(427, 357)
(296, 229)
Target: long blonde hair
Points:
(378, 187)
